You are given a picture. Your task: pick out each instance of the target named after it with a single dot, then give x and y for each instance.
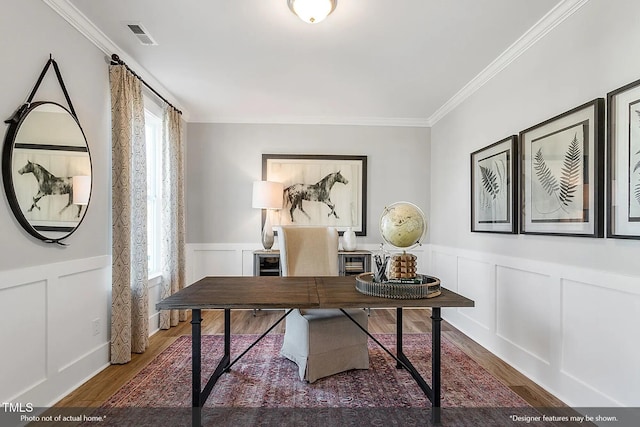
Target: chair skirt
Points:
(324, 342)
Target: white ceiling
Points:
(370, 62)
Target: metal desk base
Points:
(199, 395)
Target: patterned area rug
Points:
(264, 389)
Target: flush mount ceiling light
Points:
(312, 11)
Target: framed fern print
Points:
(563, 173)
(493, 187)
(623, 207)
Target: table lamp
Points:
(267, 195)
(81, 189)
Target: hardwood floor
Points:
(98, 389)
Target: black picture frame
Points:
(343, 178)
(562, 174)
(494, 187)
(623, 171)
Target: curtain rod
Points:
(115, 60)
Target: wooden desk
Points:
(299, 292)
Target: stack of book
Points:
(354, 266)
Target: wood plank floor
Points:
(99, 388)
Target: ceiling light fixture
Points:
(312, 11)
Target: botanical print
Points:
(634, 161)
(494, 193)
(559, 175)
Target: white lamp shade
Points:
(81, 189)
(267, 195)
(312, 11)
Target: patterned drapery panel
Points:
(129, 302)
(173, 226)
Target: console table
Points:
(350, 263)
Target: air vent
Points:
(141, 33)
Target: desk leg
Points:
(196, 366)
(399, 336)
(227, 333)
(435, 364)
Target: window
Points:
(153, 134)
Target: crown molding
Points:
(80, 22)
(317, 120)
(552, 19)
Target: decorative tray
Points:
(422, 287)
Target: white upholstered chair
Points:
(321, 342)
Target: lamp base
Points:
(267, 233)
(267, 239)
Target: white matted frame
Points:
(325, 190)
(623, 177)
(562, 174)
(48, 209)
(494, 187)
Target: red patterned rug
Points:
(263, 389)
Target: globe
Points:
(402, 224)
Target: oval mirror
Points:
(46, 170)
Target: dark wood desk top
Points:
(245, 292)
(341, 292)
(291, 292)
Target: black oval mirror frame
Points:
(44, 159)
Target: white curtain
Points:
(129, 302)
(173, 227)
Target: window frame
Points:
(153, 140)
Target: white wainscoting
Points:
(55, 334)
(236, 259)
(572, 330)
(155, 296)
(218, 259)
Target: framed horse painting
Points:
(42, 177)
(324, 190)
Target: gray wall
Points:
(28, 34)
(52, 297)
(544, 304)
(587, 56)
(223, 160)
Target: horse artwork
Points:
(49, 185)
(318, 192)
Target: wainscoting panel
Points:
(24, 338)
(155, 295)
(519, 321)
(213, 259)
(58, 338)
(476, 281)
(81, 296)
(572, 330)
(445, 267)
(595, 349)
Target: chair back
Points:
(308, 251)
